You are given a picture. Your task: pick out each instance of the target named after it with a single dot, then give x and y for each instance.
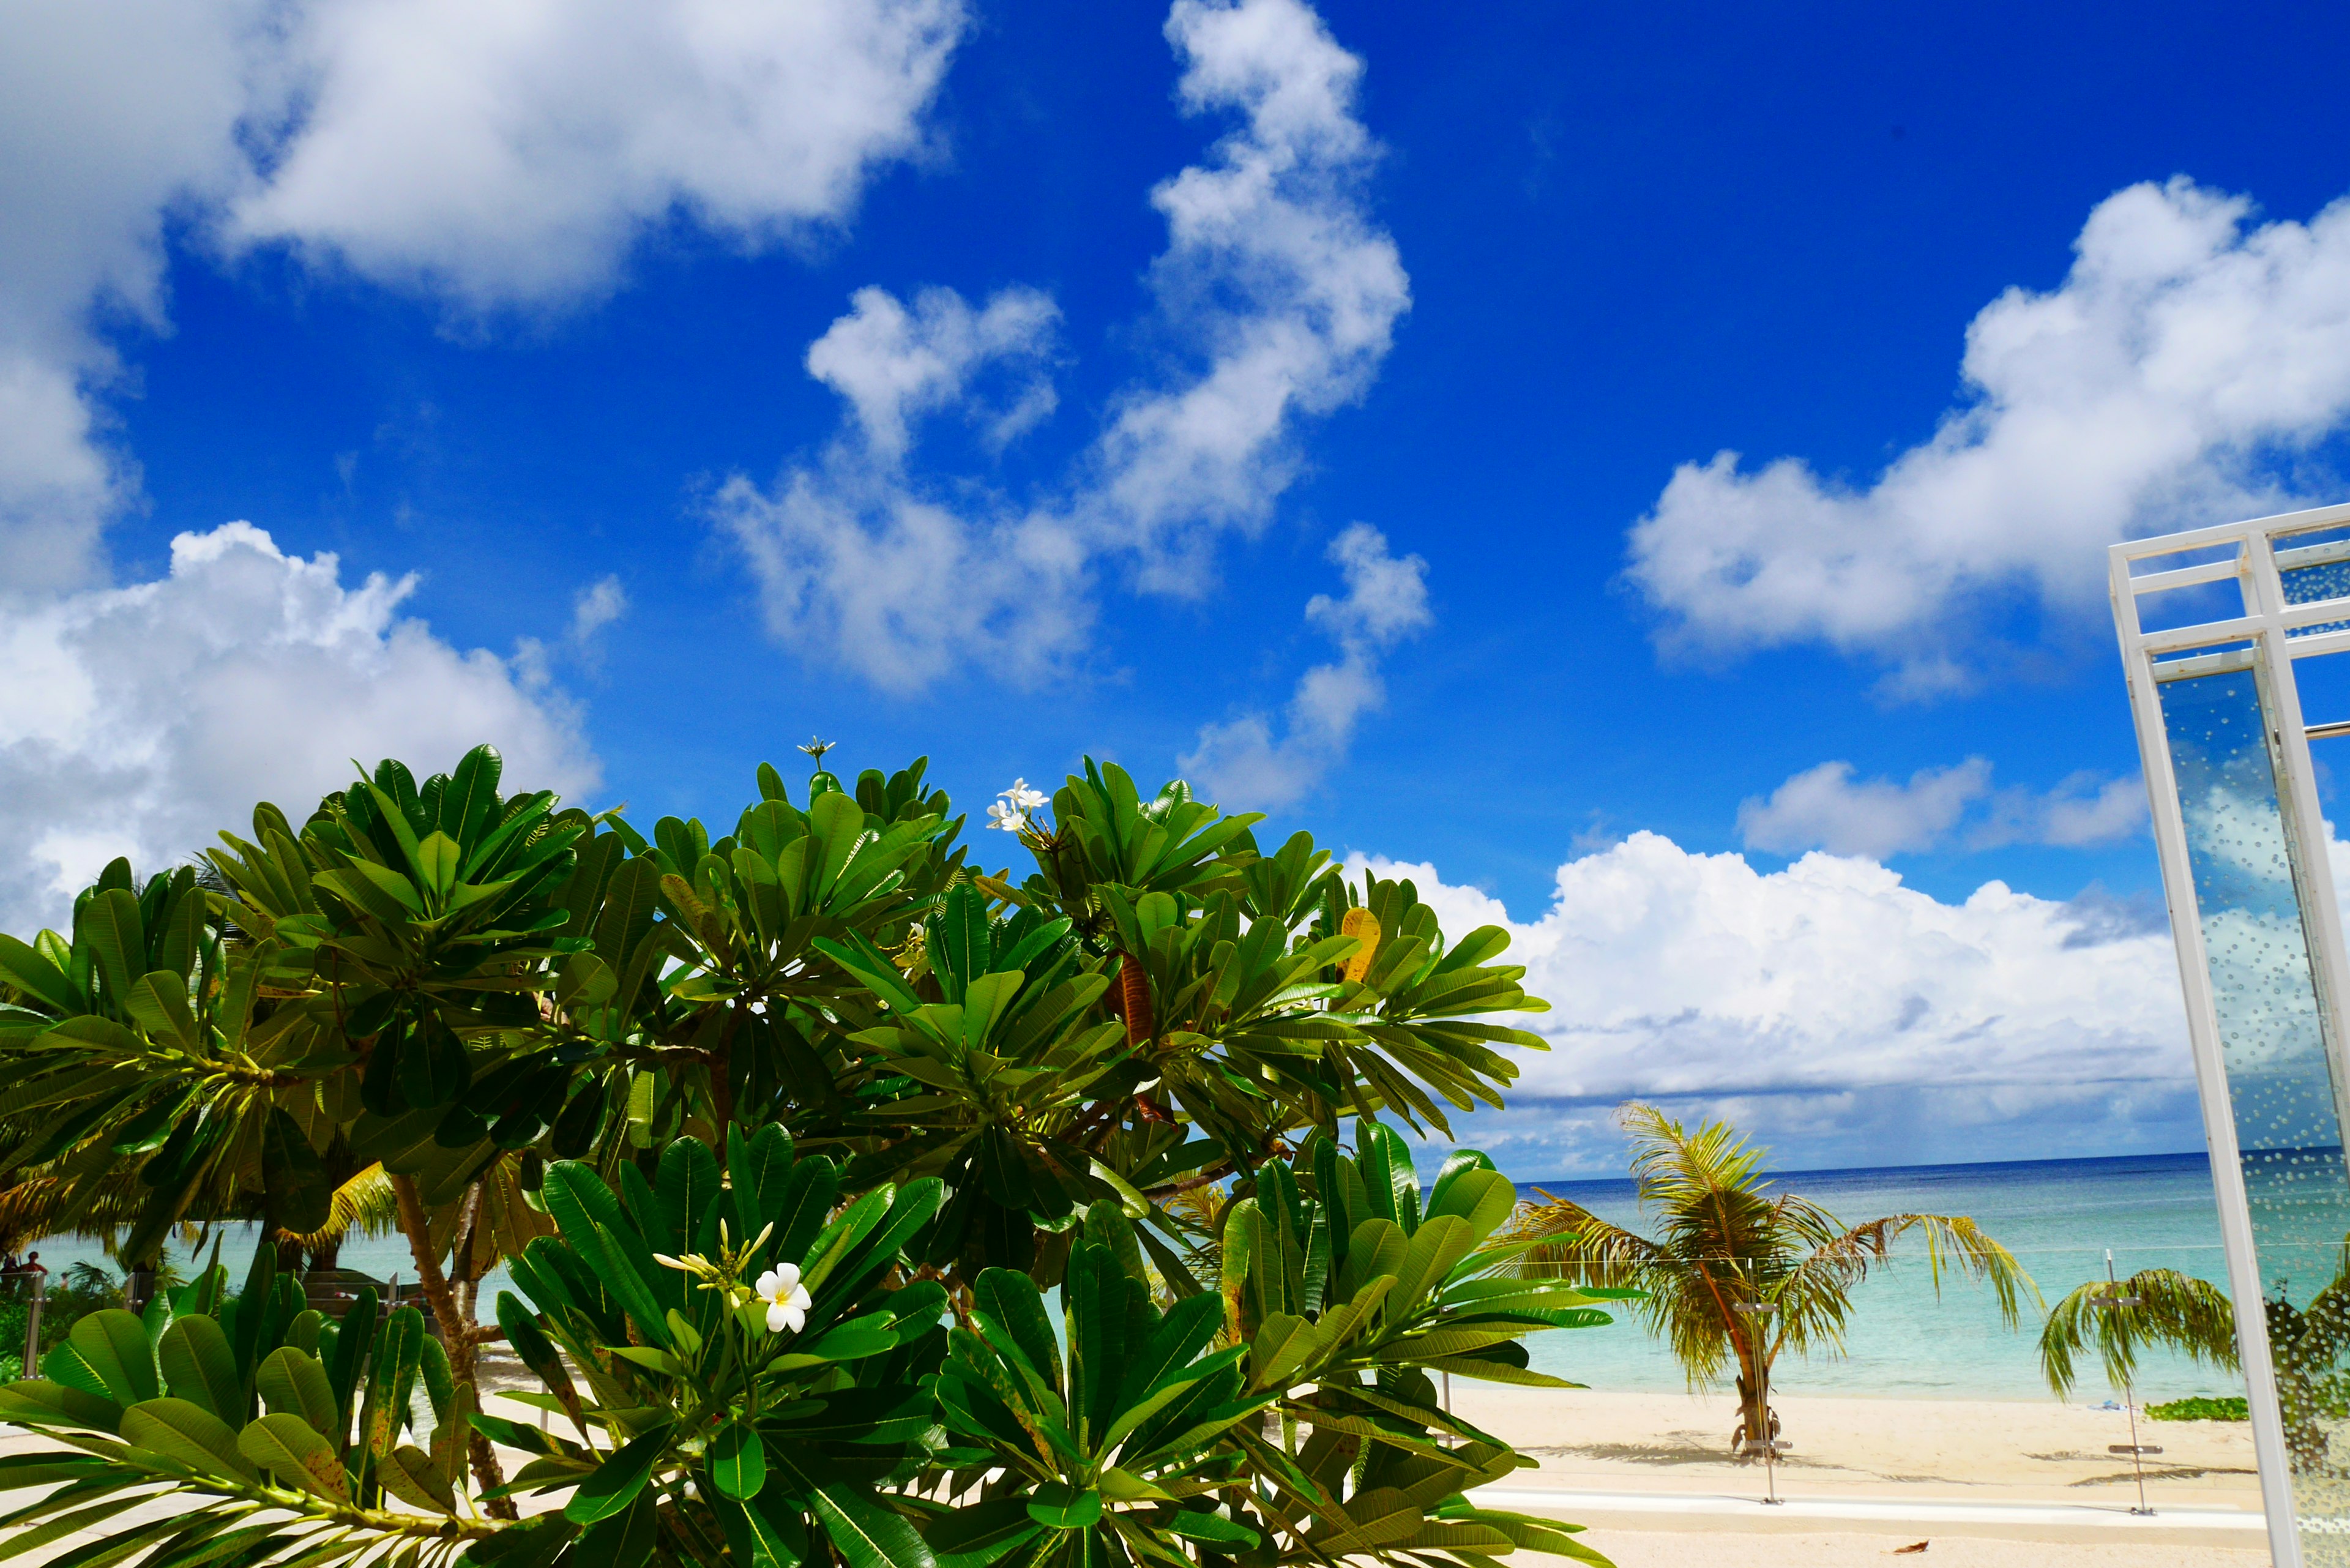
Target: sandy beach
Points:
(1986, 1451)
(1980, 1481)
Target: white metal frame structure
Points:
(2242, 844)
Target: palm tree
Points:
(2165, 1307)
(1725, 1243)
(2195, 1317)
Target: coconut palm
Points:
(2196, 1318)
(1725, 1242)
(2176, 1311)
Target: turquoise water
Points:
(2057, 1216)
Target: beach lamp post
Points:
(2111, 1303)
(1757, 1316)
(2221, 629)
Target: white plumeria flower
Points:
(787, 1300)
(1023, 798)
(1010, 819)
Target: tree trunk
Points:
(1756, 1423)
(456, 1334)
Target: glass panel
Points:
(2308, 585)
(2199, 604)
(2281, 1090)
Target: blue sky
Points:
(1427, 315)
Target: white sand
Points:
(1987, 1450)
(2049, 1492)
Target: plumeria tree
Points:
(783, 1135)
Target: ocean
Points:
(2058, 1217)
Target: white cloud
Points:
(1273, 267)
(1825, 807)
(139, 720)
(892, 365)
(1822, 808)
(1828, 996)
(600, 605)
(514, 154)
(1241, 762)
(1275, 282)
(2184, 353)
(2078, 813)
(856, 569)
(112, 112)
(501, 155)
(855, 564)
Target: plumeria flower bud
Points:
(787, 1300)
(1010, 819)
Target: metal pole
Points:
(33, 1328)
(2111, 1302)
(1753, 1309)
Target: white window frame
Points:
(2260, 640)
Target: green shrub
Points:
(2201, 1407)
(787, 1134)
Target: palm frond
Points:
(364, 1203)
(2176, 1311)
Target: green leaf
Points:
(437, 859)
(159, 1002)
(301, 1457)
(771, 1528)
(409, 1473)
(618, 1479)
(118, 940)
(25, 968)
(113, 1344)
(738, 1462)
(871, 965)
(1057, 1505)
(624, 1540)
(301, 1195)
(867, 1534)
(187, 1432)
(292, 1381)
(1214, 1527)
(201, 1367)
(38, 1401)
(976, 1536)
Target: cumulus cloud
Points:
(1825, 807)
(507, 155)
(1240, 762)
(499, 156)
(514, 154)
(1277, 296)
(2188, 357)
(856, 564)
(114, 113)
(1829, 1005)
(1822, 808)
(1275, 270)
(892, 365)
(139, 720)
